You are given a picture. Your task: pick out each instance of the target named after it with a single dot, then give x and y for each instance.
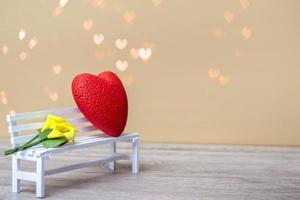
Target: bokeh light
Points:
(87, 24)
(145, 53)
(121, 65)
(56, 69)
(23, 56)
(129, 16)
(121, 43)
(22, 34)
(98, 38)
(246, 33)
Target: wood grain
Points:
(170, 171)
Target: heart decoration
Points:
(5, 50)
(145, 53)
(62, 3)
(244, 3)
(246, 32)
(214, 73)
(129, 16)
(156, 2)
(229, 16)
(56, 69)
(121, 44)
(87, 24)
(102, 100)
(32, 43)
(122, 65)
(224, 80)
(23, 55)
(22, 34)
(98, 38)
(134, 53)
(53, 96)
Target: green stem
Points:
(37, 135)
(10, 151)
(23, 147)
(26, 145)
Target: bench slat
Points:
(15, 141)
(80, 142)
(87, 128)
(81, 139)
(35, 126)
(22, 139)
(113, 157)
(28, 176)
(98, 140)
(25, 127)
(41, 114)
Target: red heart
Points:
(102, 100)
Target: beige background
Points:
(172, 97)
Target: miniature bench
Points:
(39, 154)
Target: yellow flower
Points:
(60, 128)
(51, 121)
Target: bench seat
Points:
(80, 142)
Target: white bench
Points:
(39, 154)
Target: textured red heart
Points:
(102, 100)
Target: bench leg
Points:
(113, 149)
(135, 156)
(15, 170)
(40, 177)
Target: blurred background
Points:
(207, 71)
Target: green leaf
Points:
(32, 140)
(41, 137)
(53, 143)
(44, 134)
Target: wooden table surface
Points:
(170, 171)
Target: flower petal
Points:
(51, 121)
(61, 128)
(70, 134)
(55, 134)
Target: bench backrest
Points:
(15, 128)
